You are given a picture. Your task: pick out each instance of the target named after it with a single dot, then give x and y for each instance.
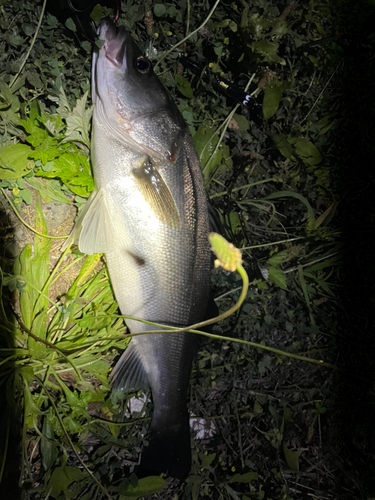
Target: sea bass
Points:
(149, 215)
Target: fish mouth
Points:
(115, 41)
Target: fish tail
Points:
(169, 450)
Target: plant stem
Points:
(70, 441)
(190, 34)
(27, 225)
(31, 46)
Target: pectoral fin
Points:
(93, 229)
(156, 193)
(78, 225)
(97, 233)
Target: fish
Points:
(148, 214)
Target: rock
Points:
(55, 214)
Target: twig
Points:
(63, 352)
(321, 93)
(31, 45)
(188, 36)
(188, 18)
(263, 181)
(274, 243)
(33, 336)
(312, 262)
(240, 438)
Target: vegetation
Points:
(263, 399)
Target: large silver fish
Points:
(149, 216)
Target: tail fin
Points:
(169, 450)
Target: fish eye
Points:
(143, 65)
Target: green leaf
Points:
(22, 267)
(218, 49)
(258, 408)
(271, 100)
(47, 447)
(86, 45)
(222, 24)
(278, 258)
(99, 43)
(292, 194)
(215, 68)
(45, 153)
(38, 277)
(159, 9)
(244, 478)
(289, 327)
(6, 95)
(97, 13)
(63, 109)
(184, 86)
(27, 197)
(74, 170)
(242, 122)
(274, 437)
(146, 486)
(268, 51)
(307, 151)
(21, 183)
(62, 478)
(27, 373)
(70, 24)
(262, 285)
(123, 486)
(75, 400)
(194, 479)
(13, 161)
(52, 20)
(72, 424)
(268, 319)
(283, 145)
(235, 222)
(233, 26)
(28, 29)
(14, 282)
(206, 140)
(277, 277)
(48, 189)
(32, 410)
(292, 458)
(33, 266)
(34, 79)
(208, 459)
(79, 122)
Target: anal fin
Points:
(129, 372)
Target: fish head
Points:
(129, 95)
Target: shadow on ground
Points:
(354, 418)
(10, 401)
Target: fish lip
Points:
(115, 41)
(107, 29)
